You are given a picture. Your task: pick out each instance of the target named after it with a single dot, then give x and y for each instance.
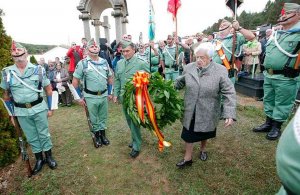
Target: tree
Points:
(8, 141)
(5, 44)
(32, 60)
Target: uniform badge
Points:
(291, 43)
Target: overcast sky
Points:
(57, 22)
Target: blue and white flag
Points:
(151, 32)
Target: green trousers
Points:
(279, 98)
(36, 130)
(136, 136)
(171, 74)
(98, 110)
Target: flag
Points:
(151, 32)
(173, 6)
(231, 4)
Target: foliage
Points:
(8, 142)
(33, 60)
(168, 105)
(251, 21)
(37, 49)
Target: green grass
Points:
(240, 161)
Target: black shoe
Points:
(275, 133)
(134, 153)
(266, 127)
(203, 156)
(130, 145)
(50, 161)
(183, 163)
(39, 163)
(98, 139)
(103, 138)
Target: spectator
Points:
(75, 55)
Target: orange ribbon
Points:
(141, 81)
(222, 55)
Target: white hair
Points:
(207, 47)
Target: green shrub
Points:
(8, 139)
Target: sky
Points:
(57, 22)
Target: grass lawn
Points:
(240, 161)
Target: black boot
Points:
(275, 132)
(98, 138)
(266, 127)
(104, 140)
(39, 163)
(50, 161)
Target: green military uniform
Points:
(154, 60)
(33, 120)
(288, 158)
(169, 58)
(95, 89)
(125, 70)
(280, 91)
(281, 80)
(227, 47)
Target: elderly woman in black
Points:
(206, 83)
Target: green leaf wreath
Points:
(167, 103)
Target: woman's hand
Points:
(228, 122)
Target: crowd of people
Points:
(206, 69)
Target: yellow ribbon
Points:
(141, 81)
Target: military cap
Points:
(16, 45)
(91, 43)
(125, 43)
(288, 7)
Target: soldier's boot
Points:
(104, 139)
(98, 138)
(266, 127)
(39, 163)
(275, 133)
(49, 159)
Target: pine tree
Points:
(32, 60)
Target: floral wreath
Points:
(153, 103)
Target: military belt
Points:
(271, 71)
(29, 105)
(94, 92)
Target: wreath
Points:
(166, 102)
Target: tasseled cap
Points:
(15, 45)
(288, 7)
(91, 43)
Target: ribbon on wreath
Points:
(142, 97)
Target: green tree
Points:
(8, 141)
(32, 60)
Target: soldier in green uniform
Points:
(225, 37)
(23, 85)
(125, 70)
(288, 158)
(97, 88)
(168, 60)
(281, 76)
(153, 57)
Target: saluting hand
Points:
(228, 122)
